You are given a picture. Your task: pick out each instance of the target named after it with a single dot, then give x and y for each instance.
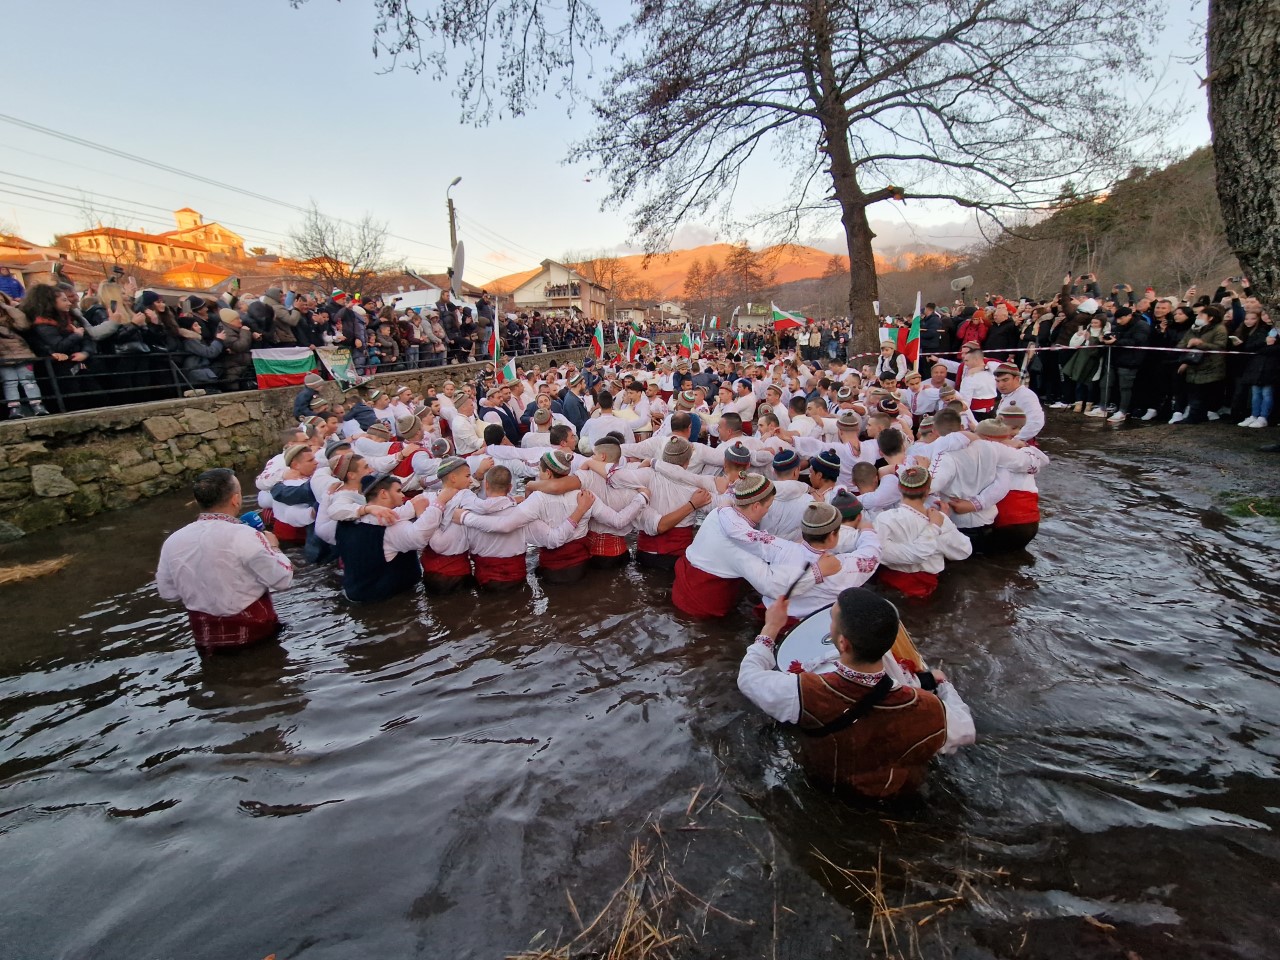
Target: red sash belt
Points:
(982, 406)
(1018, 507)
(404, 468)
(287, 532)
(919, 585)
(253, 624)
(701, 594)
(572, 554)
(665, 394)
(672, 543)
(499, 569)
(442, 565)
(605, 544)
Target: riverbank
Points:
(438, 777)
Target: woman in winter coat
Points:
(55, 334)
(198, 356)
(1205, 371)
(1262, 371)
(975, 329)
(16, 367)
(1084, 366)
(1246, 339)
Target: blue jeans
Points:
(1263, 398)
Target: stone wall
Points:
(66, 467)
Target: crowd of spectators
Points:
(1094, 353)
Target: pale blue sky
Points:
(256, 94)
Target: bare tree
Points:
(1244, 101)
(500, 54)
(989, 104)
(338, 254)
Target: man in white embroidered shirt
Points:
(222, 570)
(869, 730)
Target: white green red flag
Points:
(714, 323)
(283, 366)
(735, 342)
(910, 346)
(502, 372)
(686, 343)
(785, 321)
(634, 343)
(597, 340)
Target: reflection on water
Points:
(425, 776)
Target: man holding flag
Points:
(597, 341)
(686, 343)
(908, 338)
(503, 373)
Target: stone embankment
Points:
(63, 468)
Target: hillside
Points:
(666, 272)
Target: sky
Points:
(256, 95)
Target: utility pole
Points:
(453, 220)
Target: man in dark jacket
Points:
(932, 331)
(575, 410)
(1003, 336)
(1126, 334)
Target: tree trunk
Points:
(863, 286)
(1244, 102)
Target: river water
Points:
(428, 777)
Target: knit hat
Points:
(313, 380)
(913, 478)
(374, 394)
(676, 450)
(359, 311)
(848, 420)
(379, 431)
(785, 460)
(844, 394)
(292, 453)
(542, 416)
(947, 392)
(1089, 306)
(340, 464)
(275, 293)
(971, 345)
(227, 315)
(827, 463)
(448, 465)
(996, 429)
(737, 453)
(148, 298)
(848, 505)
(890, 406)
(575, 380)
(313, 422)
(752, 488)
(399, 390)
(1014, 416)
(408, 425)
(557, 461)
(319, 403)
(439, 447)
(335, 444)
(820, 519)
(687, 400)
(912, 377)
(926, 426)
(1007, 369)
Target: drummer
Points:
(866, 736)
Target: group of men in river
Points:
(798, 483)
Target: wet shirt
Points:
(218, 565)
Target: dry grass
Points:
(29, 571)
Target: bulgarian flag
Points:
(714, 324)
(759, 355)
(283, 366)
(686, 343)
(616, 338)
(633, 345)
(506, 373)
(597, 340)
(635, 325)
(785, 321)
(735, 342)
(909, 340)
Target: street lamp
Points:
(453, 225)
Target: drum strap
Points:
(854, 713)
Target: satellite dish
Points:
(961, 283)
(455, 272)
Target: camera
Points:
(1235, 279)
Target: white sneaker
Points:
(1059, 406)
(1118, 417)
(1097, 412)
(1150, 414)
(1178, 417)
(1259, 422)
(1246, 422)
(1213, 415)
